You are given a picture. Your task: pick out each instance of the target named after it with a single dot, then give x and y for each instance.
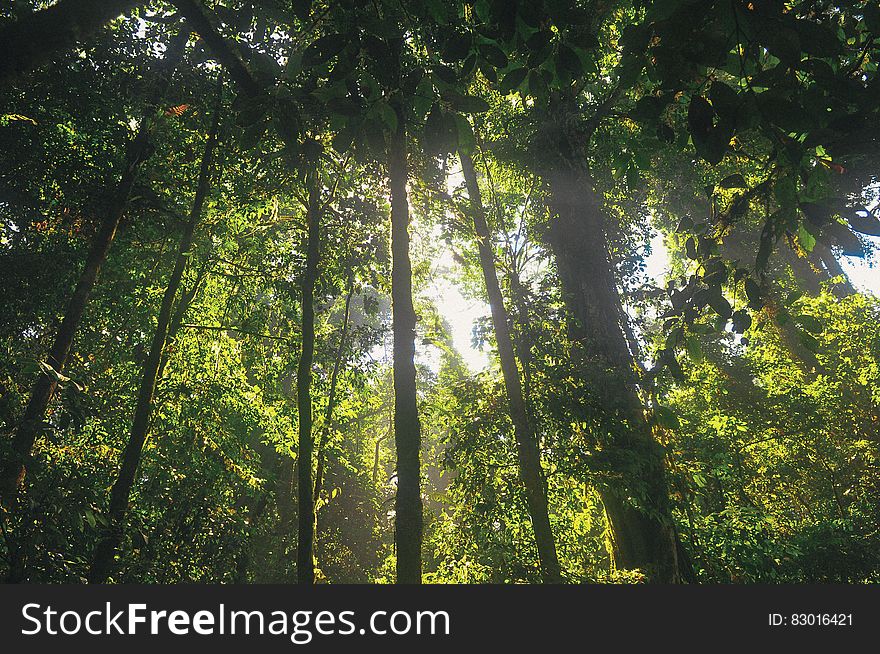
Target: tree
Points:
(407, 438)
(305, 565)
(13, 471)
(131, 456)
(33, 38)
(527, 445)
(330, 304)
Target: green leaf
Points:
(253, 134)
(810, 323)
(720, 305)
(539, 40)
(694, 349)
(710, 141)
(441, 131)
(494, 55)
(635, 37)
(793, 297)
(466, 140)
(302, 9)
(732, 181)
(805, 238)
(437, 9)
(468, 104)
(753, 293)
(488, 71)
(741, 321)
(569, 60)
(864, 222)
(817, 39)
(633, 178)
(343, 140)
(387, 115)
(469, 65)
(725, 100)
(836, 234)
(648, 108)
(666, 418)
(423, 98)
(445, 74)
(457, 47)
(871, 14)
(324, 49)
(785, 192)
(512, 80)
(765, 245)
(809, 341)
(538, 85)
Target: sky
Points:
(461, 313)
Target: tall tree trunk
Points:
(105, 550)
(13, 471)
(528, 453)
(305, 555)
(33, 39)
(331, 397)
(636, 499)
(407, 430)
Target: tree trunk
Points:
(305, 556)
(331, 397)
(528, 453)
(13, 472)
(33, 39)
(407, 436)
(636, 497)
(105, 550)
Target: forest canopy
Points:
(230, 233)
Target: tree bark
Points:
(305, 551)
(105, 550)
(13, 472)
(529, 456)
(407, 430)
(32, 40)
(636, 496)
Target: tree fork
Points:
(528, 453)
(14, 470)
(105, 550)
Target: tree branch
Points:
(32, 40)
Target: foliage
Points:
(743, 132)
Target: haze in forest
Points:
(485, 291)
